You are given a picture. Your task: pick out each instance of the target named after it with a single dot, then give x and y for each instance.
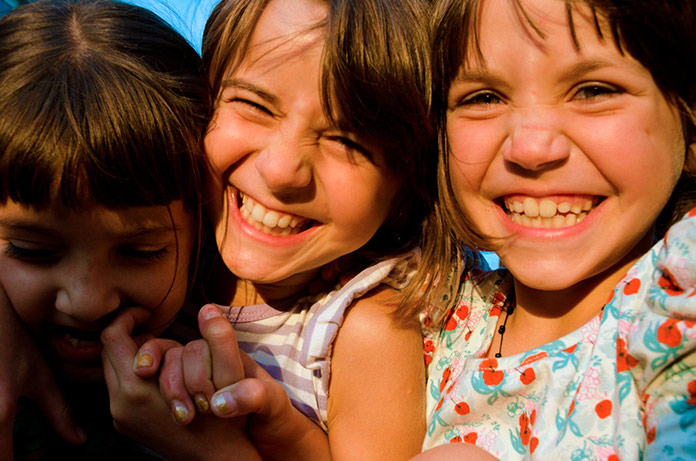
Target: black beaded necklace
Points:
(509, 308)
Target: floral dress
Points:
(621, 387)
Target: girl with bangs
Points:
(102, 112)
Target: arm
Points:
(377, 389)
(24, 372)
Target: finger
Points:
(198, 373)
(172, 388)
(217, 330)
(150, 355)
(119, 348)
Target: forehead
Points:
(554, 27)
(286, 30)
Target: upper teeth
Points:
(535, 212)
(269, 221)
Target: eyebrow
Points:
(32, 227)
(245, 85)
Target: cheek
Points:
(28, 292)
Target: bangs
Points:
(86, 139)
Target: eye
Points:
(145, 255)
(595, 90)
(31, 253)
(480, 98)
(349, 148)
(249, 105)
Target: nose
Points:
(535, 143)
(87, 292)
(285, 164)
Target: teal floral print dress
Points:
(621, 387)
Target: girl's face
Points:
(570, 154)
(68, 273)
(290, 191)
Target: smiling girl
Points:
(568, 147)
(102, 113)
(319, 146)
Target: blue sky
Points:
(187, 16)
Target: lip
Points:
(252, 232)
(68, 347)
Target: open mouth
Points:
(270, 222)
(548, 213)
(79, 338)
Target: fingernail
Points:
(202, 403)
(179, 412)
(144, 360)
(210, 312)
(223, 403)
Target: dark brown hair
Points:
(660, 34)
(100, 103)
(375, 82)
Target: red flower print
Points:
(572, 407)
(534, 358)
(603, 408)
(525, 431)
(462, 408)
(613, 458)
(450, 324)
(571, 349)
(532, 417)
(624, 360)
(428, 346)
(457, 439)
(527, 376)
(668, 284)
(692, 213)
(691, 388)
(651, 435)
(467, 335)
(533, 444)
(471, 438)
(462, 311)
(439, 404)
(427, 359)
(491, 376)
(427, 321)
(668, 333)
(632, 287)
(445, 377)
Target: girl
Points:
(101, 117)
(568, 141)
(318, 146)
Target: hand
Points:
(24, 372)
(140, 411)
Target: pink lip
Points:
(254, 233)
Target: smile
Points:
(270, 222)
(549, 213)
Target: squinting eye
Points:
(31, 255)
(251, 105)
(481, 98)
(351, 147)
(144, 255)
(594, 91)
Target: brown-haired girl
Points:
(102, 112)
(568, 147)
(319, 146)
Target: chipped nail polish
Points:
(144, 360)
(179, 412)
(223, 403)
(202, 403)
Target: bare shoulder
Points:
(377, 310)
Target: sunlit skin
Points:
(587, 128)
(68, 273)
(271, 145)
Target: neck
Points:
(229, 290)
(543, 316)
